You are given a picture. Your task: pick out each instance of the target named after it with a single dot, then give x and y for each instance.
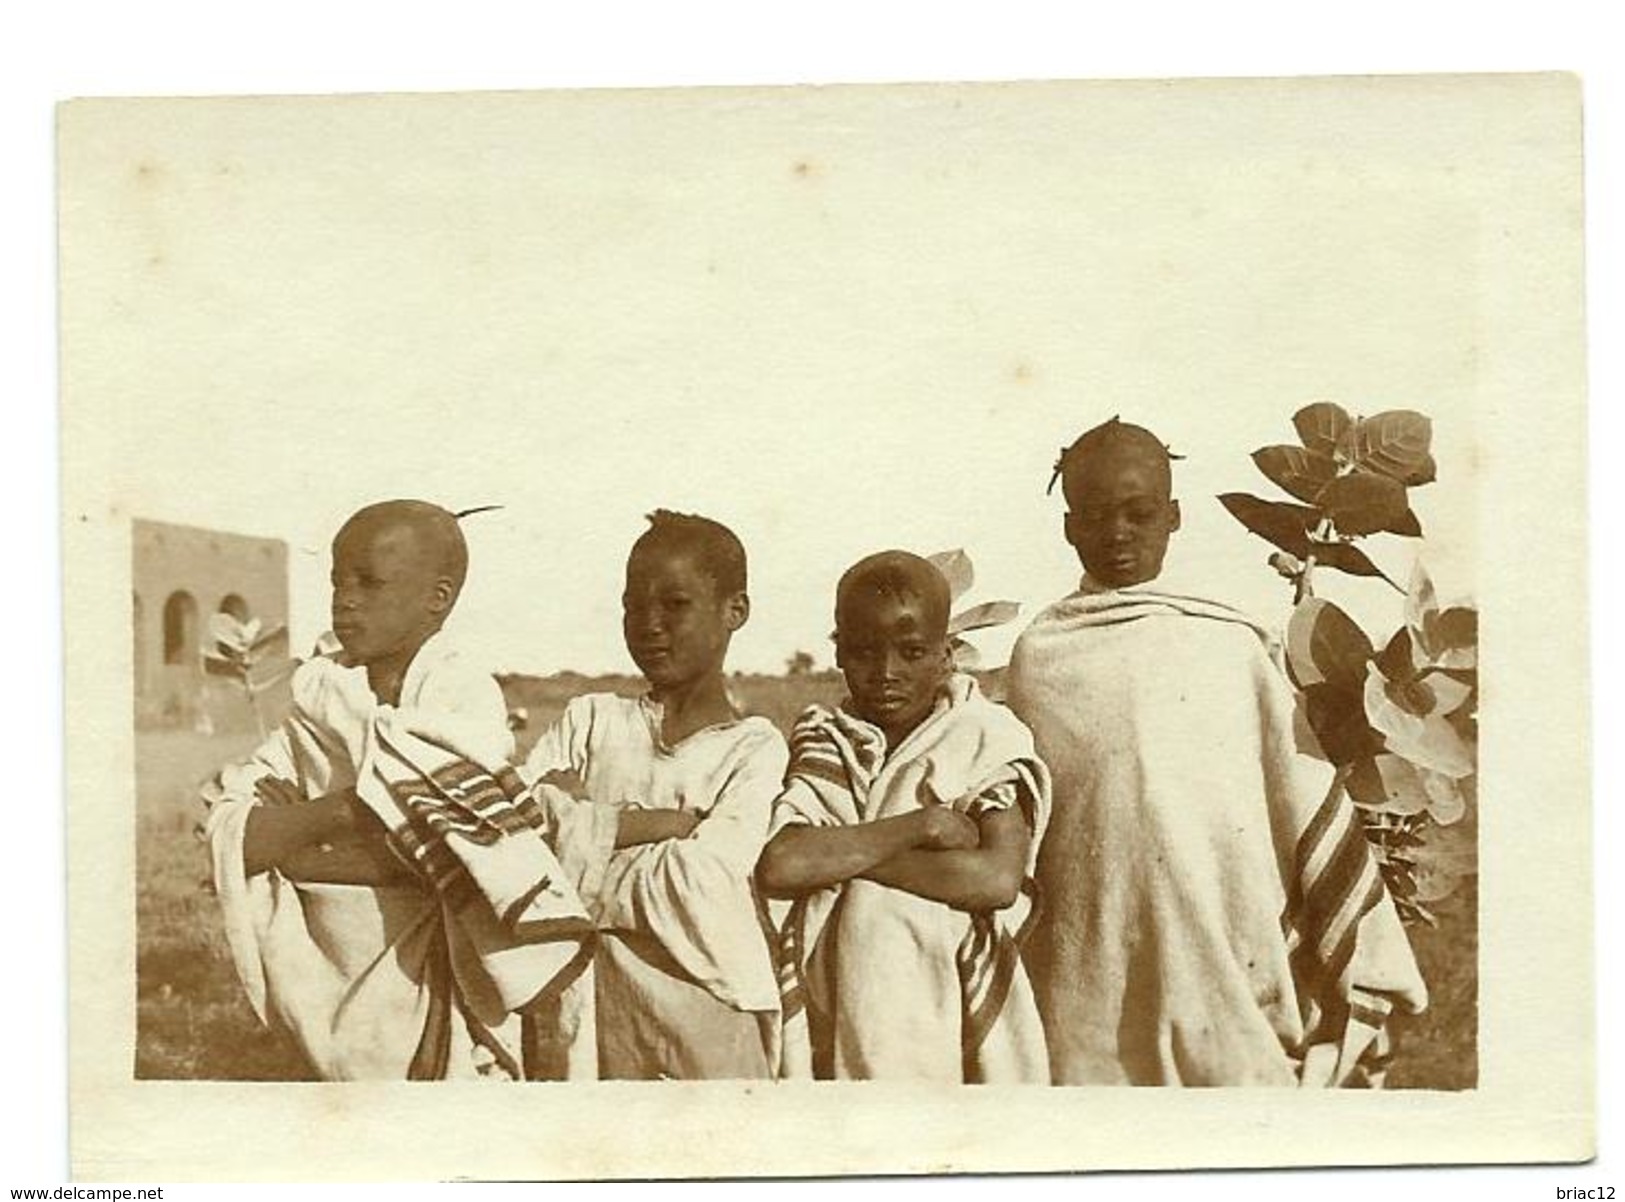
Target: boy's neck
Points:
(386, 676)
(687, 708)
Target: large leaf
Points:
(1304, 739)
(1366, 502)
(1388, 783)
(1444, 638)
(228, 632)
(1426, 473)
(1451, 638)
(1395, 444)
(1409, 525)
(261, 679)
(1429, 694)
(1302, 473)
(1446, 802)
(1458, 628)
(1325, 646)
(276, 634)
(966, 657)
(1321, 426)
(1397, 661)
(979, 617)
(1420, 600)
(1285, 525)
(1346, 557)
(1337, 718)
(956, 569)
(215, 665)
(1427, 741)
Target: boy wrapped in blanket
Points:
(387, 893)
(1213, 914)
(906, 834)
(666, 811)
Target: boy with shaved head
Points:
(1213, 915)
(388, 895)
(905, 835)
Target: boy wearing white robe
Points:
(1213, 915)
(905, 835)
(670, 809)
(335, 928)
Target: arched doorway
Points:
(180, 628)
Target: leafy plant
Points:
(242, 651)
(1399, 724)
(957, 569)
(1352, 477)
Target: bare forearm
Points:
(652, 826)
(967, 880)
(803, 858)
(275, 833)
(356, 859)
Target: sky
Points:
(871, 322)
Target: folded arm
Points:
(802, 858)
(674, 868)
(633, 824)
(986, 877)
(638, 825)
(332, 839)
(327, 839)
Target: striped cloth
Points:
(1335, 884)
(878, 983)
(430, 975)
(461, 817)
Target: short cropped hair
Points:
(899, 574)
(1115, 436)
(437, 531)
(715, 549)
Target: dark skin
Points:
(894, 653)
(391, 591)
(677, 623)
(1120, 512)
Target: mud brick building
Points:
(182, 575)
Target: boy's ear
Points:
(736, 611)
(442, 596)
(1173, 514)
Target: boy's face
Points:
(676, 625)
(388, 593)
(894, 657)
(1120, 517)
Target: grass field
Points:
(193, 1021)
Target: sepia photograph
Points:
(836, 608)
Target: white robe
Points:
(402, 980)
(1186, 833)
(684, 976)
